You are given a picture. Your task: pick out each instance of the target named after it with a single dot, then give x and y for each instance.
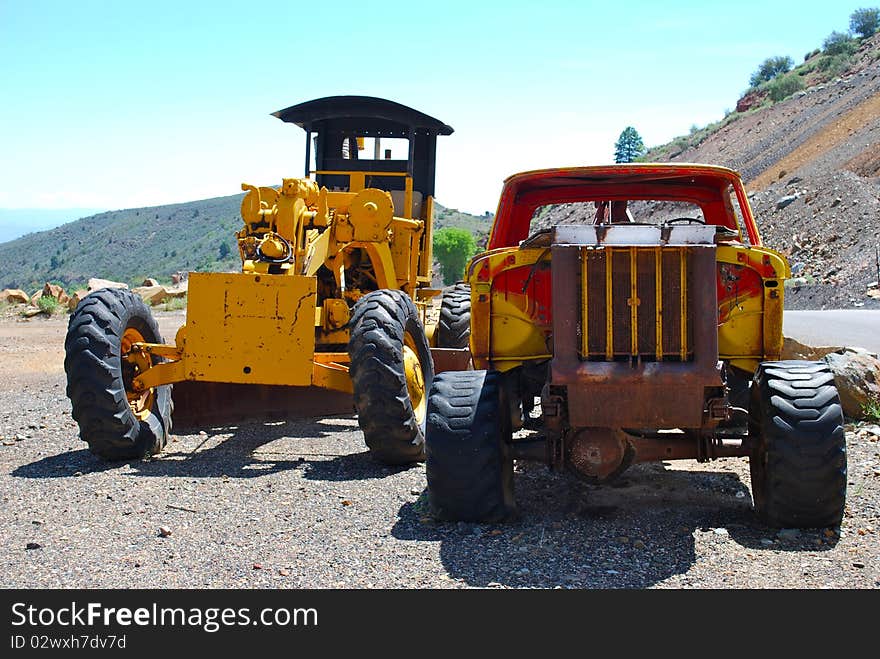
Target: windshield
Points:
(616, 212)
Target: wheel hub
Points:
(135, 362)
(415, 381)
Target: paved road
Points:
(856, 327)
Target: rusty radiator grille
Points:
(636, 302)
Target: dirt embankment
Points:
(820, 147)
(811, 164)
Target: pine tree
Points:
(629, 145)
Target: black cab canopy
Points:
(338, 122)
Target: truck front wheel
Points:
(798, 455)
(469, 471)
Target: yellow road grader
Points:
(330, 305)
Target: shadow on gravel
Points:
(235, 456)
(66, 465)
(353, 467)
(632, 534)
(239, 455)
(762, 538)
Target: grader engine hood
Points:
(629, 323)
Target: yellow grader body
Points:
(264, 326)
(328, 313)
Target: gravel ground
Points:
(300, 504)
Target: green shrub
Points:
(865, 22)
(838, 43)
(871, 409)
(784, 87)
(681, 143)
(174, 304)
(771, 68)
(453, 248)
(833, 65)
(49, 305)
(805, 69)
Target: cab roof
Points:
(395, 119)
(704, 185)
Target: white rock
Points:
(97, 284)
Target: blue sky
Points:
(126, 104)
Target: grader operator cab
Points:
(637, 317)
(330, 302)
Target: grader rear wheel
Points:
(391, 371)
(115, 421)
(454, 327)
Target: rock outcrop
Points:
(152, 295)
(97, 284)
(794, 349)
(75, 298)
(53, 290)
(14, 296)
(857, 376)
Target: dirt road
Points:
(300, 504)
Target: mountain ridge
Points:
(130, 245)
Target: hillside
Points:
(811, 164)
(129, 245)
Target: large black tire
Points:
(469, 470)
(97, 376)
(454, 327)
(391, 416)
(798, 459)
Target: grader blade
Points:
(213, 404)
(451, 359)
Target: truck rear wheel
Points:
(798, 459)
(391, 371)
(117, 423)
(469, 471)
(454, 327)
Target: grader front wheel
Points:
(391, 371)
(116, 422)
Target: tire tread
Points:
(470, 477)
(798, 462)
(94, 377)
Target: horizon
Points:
(169, 104)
